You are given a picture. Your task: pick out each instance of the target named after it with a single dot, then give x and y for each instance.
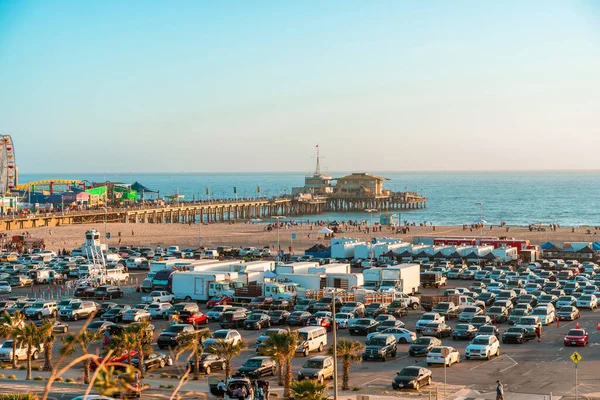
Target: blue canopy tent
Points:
(596, 246)
(547, 245)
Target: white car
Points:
(354, 307)
(545, 314)
(159, 310)
(344, 319)
(158, 296)
(429, 318)
(5, 287)
(246, 251)
(587, 301)
(435, 356)
(226, 335)
(402, 335)
(483, 346)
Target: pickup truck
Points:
(171, 336)
(21, 351)
(433, 279)
(462, 301)
(158, 297)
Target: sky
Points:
(203, 86)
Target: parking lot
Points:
(533, 367)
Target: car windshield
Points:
(74, 306)
(470, 310)
(253, 363)
(350, 304)
(436, 350)
(566, 309)
(514, 330)
(175, 329)
(409, 372)
(341, 316)
(64, 302)
(254, 317)
(461, 327)
(423, 340)
(313, 364)
(37, 305)
(428, 317)
(220, 335)
(480, 341)
(7, 344)
(377, 342)
(152, 306)
(365, 322)
(576, 333)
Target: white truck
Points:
(285, 291)
(158, 296)
(372, 278)
(307, 281)
(408, 278)
(117, 275)
(201, 285)
(156, 266)
(344, 281)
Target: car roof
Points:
(319, 358)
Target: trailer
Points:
(408, 280)
(344, 281)
(156, 266)
(278, 291)
(372, 278)
(344, 247)
(295, 268)
(200, 286)
(334, 268)
(306, 281)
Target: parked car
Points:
(464, 331)
(278, 317)
(517, 335)
(568, 313)
(151, 361)
(208, 363)
(576, 337)
(258, 367)
(218, 301)
(108, 292)
(402, 335)
(363, 326)
(257, 321)
(136, 315)
(318, 367)
(412, 377)
(483, 347)
(437, 329)
(435, 356)
(422, 345)
(380, 347)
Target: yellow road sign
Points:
(575, 357)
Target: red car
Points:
(325, 322)
(197, 318)
(576, 337)
(114, 359)
(218, 301)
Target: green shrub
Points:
(38, 378)
(2, 376)
(22, 368)
(59, 379)
(13, 377)
(19, 396)
(70, 380)
(356, 389)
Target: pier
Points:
(219, 211)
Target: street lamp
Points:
(278, 217)
(480, 215)
(371, 211)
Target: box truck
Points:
(201, 286)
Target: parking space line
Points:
(487, 362)
(371, 381)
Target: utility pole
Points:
(335, 373)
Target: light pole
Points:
(277, 218)
(335, 375)
(480, 216)
(371, 211)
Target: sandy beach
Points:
(241, 234)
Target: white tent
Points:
(325, 230)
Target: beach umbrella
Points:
(325, 230)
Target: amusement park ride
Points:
(8, 168)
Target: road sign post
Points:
(445, 353)
(576, 358)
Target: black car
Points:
(298, 318)
(498, 314)
(488, 330)
(102, 326)
(257, 321)
(232, 319)
(363, 326)
(208, 363)
(374, 309)
(464, 332)
(115, 314)
(108, 292)
(153, 360)
(412, 377)
(516, 335)
(257, 367)
(488, 298)
(104, 307)
(380, 347)
(84, 292)
(278, 317)
(396, 308)
(279, 304)
(422, 345)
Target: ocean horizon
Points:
(567, 198)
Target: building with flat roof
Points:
(360, 184)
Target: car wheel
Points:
(415, 306)
(305, 353)
(144, 368)
(394, 386)
(162, 363)
(321, 347)
(402, 341)
(65, 329)
(488, 356)
(75, 317)
(417, 386)
(429, 380)
(39, 315)
(320, 379)
(165, 316)
(498, 351)
(207, 370)
(35, 355)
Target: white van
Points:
(172, 249)
(134, 262)
(312, 338)
(211, 254)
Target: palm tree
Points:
(193, 342)
(348, 351)
(48, 339)
(10, 327)
(141, 338)
(227, 350)
(308, 389)
(282, 347)
(83, 340)
(31, 337)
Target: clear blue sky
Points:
(171, 86)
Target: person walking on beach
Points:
(499, 391)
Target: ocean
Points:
(518, 198)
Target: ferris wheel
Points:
(8, 170)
